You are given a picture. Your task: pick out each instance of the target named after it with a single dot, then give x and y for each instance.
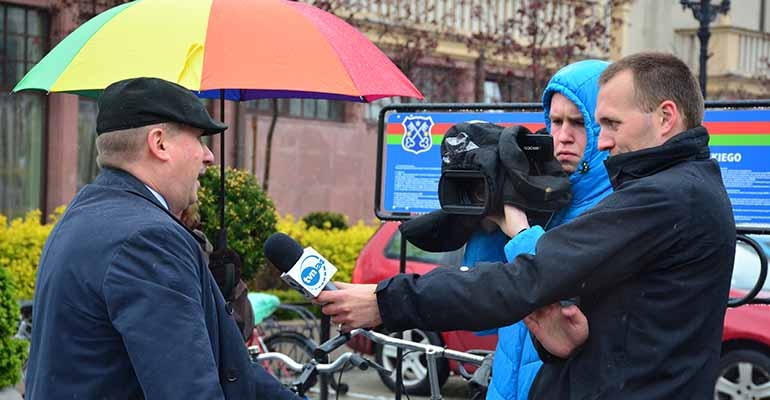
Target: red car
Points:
(745, 363)
(379, 260)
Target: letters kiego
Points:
(727, 157)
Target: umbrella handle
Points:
(222, 237)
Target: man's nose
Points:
(208, 156)
(567, 133)
(605, 142)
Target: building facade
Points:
(324, 153)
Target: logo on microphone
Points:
(313, 272)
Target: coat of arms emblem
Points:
(417, 137)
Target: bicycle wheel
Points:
(294, 345)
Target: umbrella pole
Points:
(222, 237)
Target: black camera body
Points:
(485, 165)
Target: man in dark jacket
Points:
(125, 307)
(651, 262)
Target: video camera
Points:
(485, 165)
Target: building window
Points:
(22, 119)
(325, 110)
(373, 109)
(512, 88)
(437, 84)
(87, 169)
(492, 92)
(23, 42)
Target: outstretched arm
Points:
(587, 255)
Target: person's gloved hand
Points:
(440, 231)
(513, 221)
(225, 266)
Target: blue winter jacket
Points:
(516, 361)
(126, 308)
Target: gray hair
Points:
(117, 148)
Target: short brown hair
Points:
(659, 77)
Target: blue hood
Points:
(579, 82)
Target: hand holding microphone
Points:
(350, 305)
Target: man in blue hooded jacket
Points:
(569, 101)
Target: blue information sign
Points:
(410, 165)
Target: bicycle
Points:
(294, 340)
(479, 380)
(268, 335)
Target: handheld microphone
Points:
(303, 269)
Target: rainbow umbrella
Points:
(250, 48)
(228, 49)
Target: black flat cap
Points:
(137, 102)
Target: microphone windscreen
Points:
(282, 251)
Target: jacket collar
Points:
(120, 179)
(691, 144)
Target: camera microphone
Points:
(303, 269)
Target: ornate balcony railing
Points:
(733, 51)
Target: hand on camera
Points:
(512, 222)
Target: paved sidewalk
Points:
(10, 393)
(366, 385)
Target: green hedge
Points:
(326, 220)
(21, 243)
(249, 215)
(12, 351)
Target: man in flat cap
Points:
(125, 307)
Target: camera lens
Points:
(463, 192)
(470, 192)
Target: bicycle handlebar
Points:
(432, 353)
(334, 366)
(429, 349)
(327, 347)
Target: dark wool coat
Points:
(125, 308)
(651, 263)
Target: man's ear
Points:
(157, 143)
(670, 119)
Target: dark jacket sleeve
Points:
(153, 295)
(609, 244)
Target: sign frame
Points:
(381, 171)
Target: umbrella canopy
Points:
(250, 48)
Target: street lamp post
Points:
(705, 13)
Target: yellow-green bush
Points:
(339, 246)
(21, 243)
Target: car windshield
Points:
(746, 267)
(413, 253)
